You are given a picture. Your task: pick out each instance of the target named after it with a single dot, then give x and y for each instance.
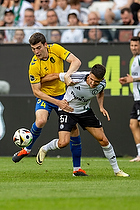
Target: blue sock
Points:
(75, 147)
(36, 133)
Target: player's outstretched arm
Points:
(100, 100)
(63, 104)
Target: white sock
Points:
(110, 155)
(76, 168)
(138, 149)
(28, 150)
(52, 145)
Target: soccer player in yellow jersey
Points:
(48, 59)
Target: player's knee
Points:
(103, 141)
(132, 126)
(41, 122)
(63, 143)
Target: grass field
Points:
(26, 185)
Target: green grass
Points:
(26, 185)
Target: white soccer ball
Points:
(22, 137)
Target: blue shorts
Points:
(41, 104)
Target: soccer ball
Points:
(22, 137)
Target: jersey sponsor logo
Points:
(52, 60)
(78, 88)
(32, 78)
(79, 98)
(34, 59)
(32, 63)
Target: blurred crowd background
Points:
(69, 21)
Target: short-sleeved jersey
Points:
(79, 95)
(135, 72)
(54, 64)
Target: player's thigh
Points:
(64, 138)
(41, 117)
(99, 135)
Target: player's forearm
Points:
(45, 97)
(75, 63)
(100, 99)
(50, 77)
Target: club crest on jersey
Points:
(94, 92)
(61, 126)
(52, 60)
(32, 78)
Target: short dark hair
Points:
(36, 38)
(126, 9)
(135, 39)
(98, 70)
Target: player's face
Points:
(40, 50)
(135, 48)
(93, 81)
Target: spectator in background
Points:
(52, 4)
(41, 14)
(19, 36)
(2, 36)
(62, 10)
(93, 20)
(2, 10)
(52, 20)
(19, 7)
(95, 36)
(29, 20)
(136, 30)
(135, 6)
(114, 13)
(125, 35)
(86, 3)
(138, 34)
(9, 21)
(55, 36)
(72, 35)
(83, 12)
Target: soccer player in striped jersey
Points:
(135, 79)
(87, 86)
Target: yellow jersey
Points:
(38, 68)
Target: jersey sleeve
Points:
(103, 84)
(34, 73)
(61, 51)
(76, 77)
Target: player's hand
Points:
(125, 80)
(68, 80)
(64, 105)
(105, 113)
(122, 80)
